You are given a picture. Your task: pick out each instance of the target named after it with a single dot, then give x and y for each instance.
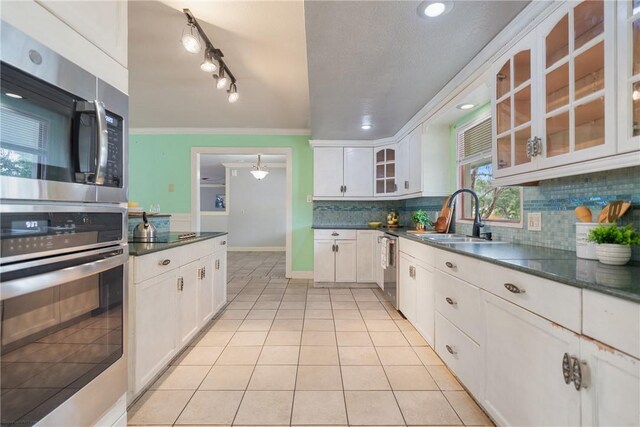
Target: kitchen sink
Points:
(456, 238)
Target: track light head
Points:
(221, 79)
(208, 66)
(233, 93)
(191, 38)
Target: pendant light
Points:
(191, 38)
(260, 171)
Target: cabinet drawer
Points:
(335, 234)
(460, 266)
(460, 354)
(459, 303)
(612, 320)
(155, 263)
(419, 251)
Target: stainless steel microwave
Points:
(63, 131)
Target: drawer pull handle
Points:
(450, 350)
(165, 262)
(566, 368)
(335, 234)
(513, 288)
(450, 264)
(450, 301)
(224, 242)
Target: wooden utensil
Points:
(603, 215)
(442, 223)
(625, 208)
(584, 214)
(615, 208)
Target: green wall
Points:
(156, 161)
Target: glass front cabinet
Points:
(385, 170)
(629, 75)
(554, 92)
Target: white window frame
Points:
(487, 154)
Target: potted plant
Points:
(421, 218)
(614, 243)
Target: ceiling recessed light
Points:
(365, 127)
(465, 106)
(432, 9)
(13, 95)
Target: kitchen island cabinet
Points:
(173, 294)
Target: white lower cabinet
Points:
(416, 299)
(335, 256)
(368, 259)
(408, 292)
(523, 376)
(346, 263)
(324, 266)
(183, 288)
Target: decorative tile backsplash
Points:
(556, 199)
(160, 222)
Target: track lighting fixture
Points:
(191, 40)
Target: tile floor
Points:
(286, 353)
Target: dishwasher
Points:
(389, 244)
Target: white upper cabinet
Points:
(385, 159)
(628, 75)
(409, 163)
(342, 172)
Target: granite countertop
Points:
(354, 227)
(554, 264)
(138, 249)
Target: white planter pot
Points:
(612, 254)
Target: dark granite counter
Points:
(354, 227)
(554, 264)
(138, 249)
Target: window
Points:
(500, 205)
(22, 144)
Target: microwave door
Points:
(91, 142)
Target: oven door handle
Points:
(38, 282)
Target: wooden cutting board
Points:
(443, 222)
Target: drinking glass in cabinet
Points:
(589, 71)
(504, 152)
(558, 87)
(589, 124)
(588, 22)
(520, 146)
(503, 80)
(521, 68)
(522, 106)
(504, 116)
(557, 135)
(557, 42)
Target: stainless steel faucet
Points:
(477, 220)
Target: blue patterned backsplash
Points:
(160, 222)
(556, 199)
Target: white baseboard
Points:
(256, 249)
(301, 275)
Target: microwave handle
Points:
(103, 142)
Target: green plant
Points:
(613, 234)
(420, 217)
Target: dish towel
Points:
(384, 252)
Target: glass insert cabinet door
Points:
(385, 170)
(576, 59)
(513, 96)
(629, 75)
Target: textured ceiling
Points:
(264, 46)
(379, 61)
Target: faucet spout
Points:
(477, 220)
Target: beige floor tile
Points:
(410, 378)
(444, 378)
(364, 378)
(273, 377)
(158, 407)
(426, 408)
(265, 408)
(364, 295)
(199, 356)
(227, 378)
(319, 378)
(211, 407)
(283, 338)
(287, 325)
(318, 355)
(229, 325)
(343, 305)
(267, 305)
(389, 339)
(372, 408)
(239, 356)
(468, 411)
(292, 305)
(375, 314)
(381, 325)
(350, 325)
(290, 314)
(325, 325)
(342, 298)
(255, 325)
(243, 339)
(370, 305)
(398, 356)
(234, 314)
(347, 315)
(318, 298)
(319, 408)
(279, 355)
(240, 305)
(317, 305)
(318, 314)
(181, 378)
(427, 356)
(415, 339)
(215, 339)
(358, 356)
(353, 339)
(318, 338)
(404, 325)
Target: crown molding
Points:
(218, 131)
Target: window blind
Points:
(475, 143)
(22, 132)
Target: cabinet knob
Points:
(165, 262)
(449, 264)
(513, 288)
(450, 301)
(566, 368)
(224, 242)
(450, 350)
